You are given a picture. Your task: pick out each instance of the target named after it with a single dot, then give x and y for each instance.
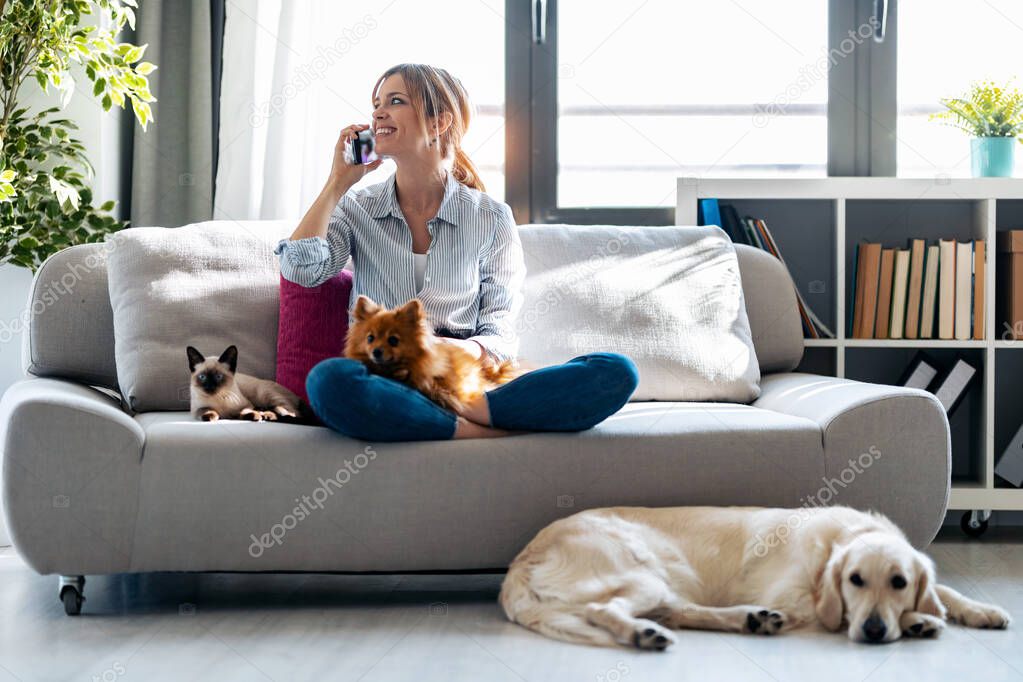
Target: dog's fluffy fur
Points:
(400, 345)
(631, 575)
(218, 391)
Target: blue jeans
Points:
(573, 396)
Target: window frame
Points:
(861, 113)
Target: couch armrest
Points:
(71, 466)
(886, 448)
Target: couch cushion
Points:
(668, 297)
(312, 327)
(403, 506)
(207, 285)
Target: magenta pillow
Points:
(312, 327)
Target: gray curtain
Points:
(172, 166)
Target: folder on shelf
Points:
(916, 276)
(930, 295)
(964, 289)
(946, 288)
(921, 372)
(979, 275)
(884, 294)
(900, 281)
(951, 386)
(1010, 464)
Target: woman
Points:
(430, 231)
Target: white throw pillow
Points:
(207, 285)
(668, 297)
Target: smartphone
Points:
(362, 150)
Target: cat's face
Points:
(210, 375)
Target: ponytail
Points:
(465, 171)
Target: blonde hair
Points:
(434, 91)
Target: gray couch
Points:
(92, 489)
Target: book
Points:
(872, 256)
(731, 225)
(951, 386)
(752, 234)
(708, 212)
(884, 294)
(964, 289)
(930, 295)
(921, 372)
(900, 281)
(946, 288)
(861, 265)
(916, 278)
(979, 274)
(850, 306)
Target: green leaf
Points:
(106, 102)
(29, 242)
(107, 205)
(145, 68)
(99, 87)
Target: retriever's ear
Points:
(927, 599)
(365, 307)
(828, 603)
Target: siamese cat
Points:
(219, 392)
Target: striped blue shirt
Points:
(472, 287)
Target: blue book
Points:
(708, 212)
(851, 295)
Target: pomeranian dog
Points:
(399, 344)
(218, 391)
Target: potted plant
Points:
(993, 115)
(45, 200)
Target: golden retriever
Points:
(631, 575)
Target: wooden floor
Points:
(221, 627)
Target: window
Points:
(650, 91)
(943, 45)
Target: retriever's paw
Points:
(652, 636)
(984, 616)
(764, 622)
(916, 624)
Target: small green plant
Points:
(45, 200)
(987, 110)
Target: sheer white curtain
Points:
(297, 71)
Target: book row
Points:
(924, 291)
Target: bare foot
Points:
(477, 411)
(469, 429)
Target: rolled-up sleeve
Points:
(313, 260)
(502, 273)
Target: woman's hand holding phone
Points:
(341, 171)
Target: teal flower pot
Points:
(992, 157)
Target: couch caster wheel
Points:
(974, 523)
(70, 594)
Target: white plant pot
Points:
(15, 282)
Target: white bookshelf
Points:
(844, 211)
